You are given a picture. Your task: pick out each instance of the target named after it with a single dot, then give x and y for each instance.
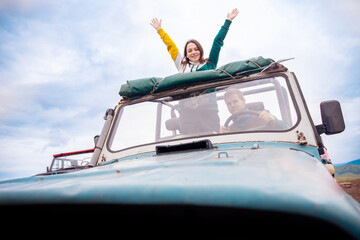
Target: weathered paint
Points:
(280, 177)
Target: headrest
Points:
(256, 106)
(172, 124)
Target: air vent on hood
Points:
(185, 147)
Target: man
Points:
(235, 103)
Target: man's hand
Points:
(156, 23)
(224, 129)
(266, 116)
(233, 14)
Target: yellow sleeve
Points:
(172, 48)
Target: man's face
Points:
(234, 103)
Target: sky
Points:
(62, 63)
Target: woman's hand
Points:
(233, 14)
(156, 23)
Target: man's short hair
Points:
(232, 91)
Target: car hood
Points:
(268, 177)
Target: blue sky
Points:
(62, 63)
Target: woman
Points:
(198, 118)
(193, 59)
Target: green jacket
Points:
(216, 47)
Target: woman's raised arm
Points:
(171, 46)
(219, 39)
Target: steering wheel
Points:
(251, 112)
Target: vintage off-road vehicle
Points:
(233, 148)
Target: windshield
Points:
(74, 161)
(261, 105)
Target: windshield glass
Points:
(261, 105)
(73, 161)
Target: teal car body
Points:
(263, 186)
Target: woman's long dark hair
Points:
(185, 61)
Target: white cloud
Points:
(349, 10)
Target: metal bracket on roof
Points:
(276, 66)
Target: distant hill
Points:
(348, 170)
(355, 162)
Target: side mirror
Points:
(332, 118)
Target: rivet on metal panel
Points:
(301, 138)
(103, 158)
(226, 154)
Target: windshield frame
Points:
(195, 88)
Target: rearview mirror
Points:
(332, 118)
